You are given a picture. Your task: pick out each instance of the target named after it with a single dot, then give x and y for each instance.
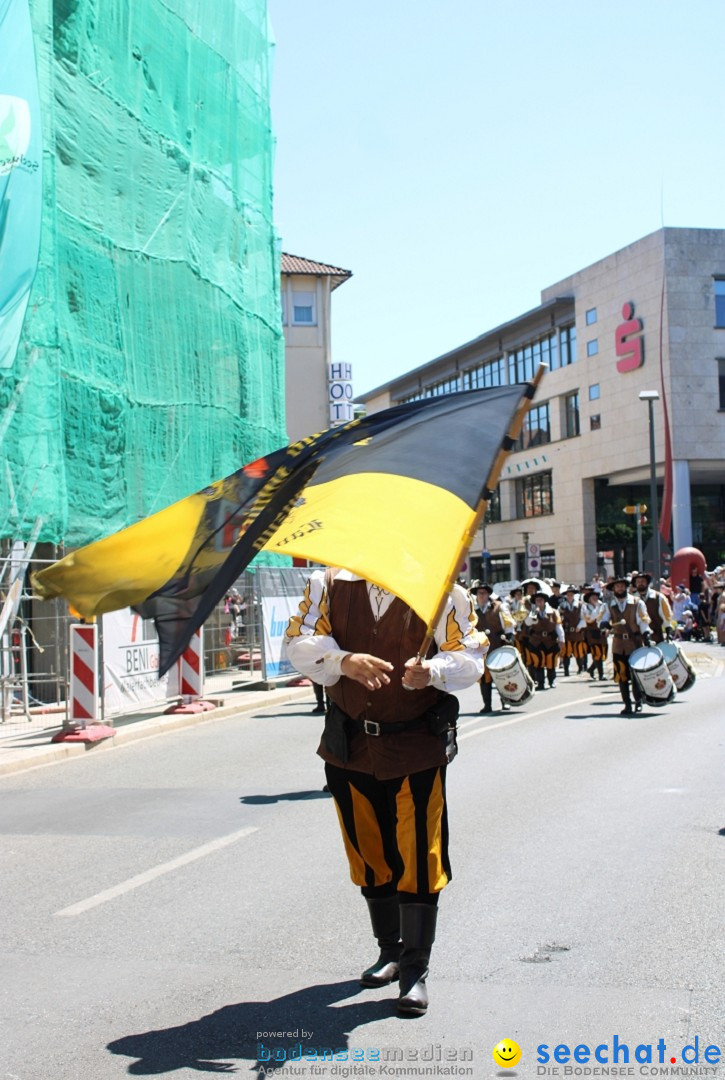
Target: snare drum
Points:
(512, 680)
(681, 670)
(653, 676)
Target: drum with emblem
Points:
(512, 680)
(653, 676)
(681, 670)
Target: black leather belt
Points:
(372, 727)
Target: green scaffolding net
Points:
(151, 360)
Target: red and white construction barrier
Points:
(186, 678)
(82, 724)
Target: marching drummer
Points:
(546, 639)
(594, 620)
(630, 631)
(661, 621)
(498, 625)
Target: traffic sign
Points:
(639, 508)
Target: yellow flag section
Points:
(125, 568)
(396, 531)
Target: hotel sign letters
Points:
(629, 340)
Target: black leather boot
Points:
(487, 695)
(626, 698)
(385, 921)
(418, 931)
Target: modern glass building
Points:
(647, 320)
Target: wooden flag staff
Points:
(507, 445)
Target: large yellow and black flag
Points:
(394, 497)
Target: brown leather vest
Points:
(652, 603)
(542, 634)
(490, 623)
(570, 618)
(627, 638)
(395, 637)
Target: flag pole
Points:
(507, 445)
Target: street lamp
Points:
(650, 396)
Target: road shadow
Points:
(236, 1031)
(283, 796)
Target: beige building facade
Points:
(318, 392)
(648, 319)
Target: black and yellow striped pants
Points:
(395, 832)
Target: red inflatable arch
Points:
(685, 562)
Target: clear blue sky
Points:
(460, 156)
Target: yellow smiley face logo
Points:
(507, 1053)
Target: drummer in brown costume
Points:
(661, 622)
(630, 631)
(498, 625)
(575, 647)
(594, 616)
(546, 639)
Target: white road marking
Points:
(155, 872)
(527, 716)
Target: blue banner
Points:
(21, 181)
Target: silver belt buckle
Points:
(371, 727)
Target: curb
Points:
(35, 757)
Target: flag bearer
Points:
(389, 733)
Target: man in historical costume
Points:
(630, 631)
(661, 620)
(575, 646)
(594, 620)
(546, 640)
(389, 734)
(498, 625)
(525, 606)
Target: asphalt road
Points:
(166, 903)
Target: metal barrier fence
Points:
(241, 645)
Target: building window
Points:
(493, 510)
(594, 392)
(592, 347)
(567, 345)
(534, 496)
(572, 415)
(591, 316)
(720, 302)
(524, 361)
(548, 564)
(303, 309)
(536, 429)
(721, 381)
(492, 373)
(494, 568)
(595, 422)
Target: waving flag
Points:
(395, 497)
(21, 182)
